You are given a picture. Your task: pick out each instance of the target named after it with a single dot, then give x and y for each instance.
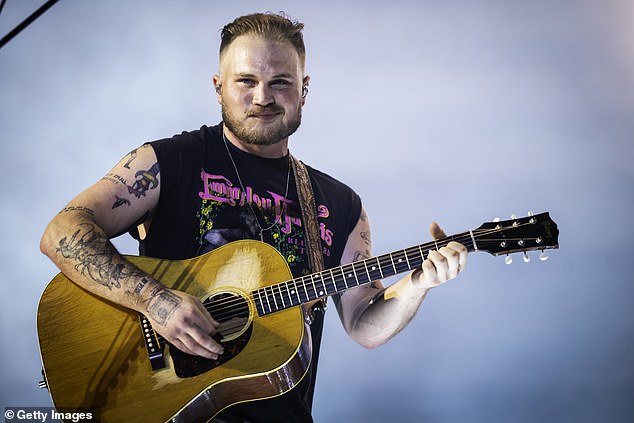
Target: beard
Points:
(267, 136)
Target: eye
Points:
(246, 82)
(280, 83)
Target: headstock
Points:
(533, 232)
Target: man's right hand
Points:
(183, 321)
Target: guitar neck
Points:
(308, 288)
(534, 232)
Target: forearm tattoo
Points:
(96, 258)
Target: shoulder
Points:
(323, 181)
(187, 141)
(334, 194)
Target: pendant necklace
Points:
(278, 219)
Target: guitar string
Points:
(238, 301)
(284, 286)
(464, 238)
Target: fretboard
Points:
(308, 288)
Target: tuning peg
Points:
(513, 216)
(496, 220)
(508, 260)
(543, 256)
(526, 258)
(530, 213)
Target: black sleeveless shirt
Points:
(203, 205)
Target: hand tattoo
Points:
(162, 304)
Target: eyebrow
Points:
(276, 76)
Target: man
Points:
(204, 188)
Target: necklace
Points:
(278, 219)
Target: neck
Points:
(273, 151)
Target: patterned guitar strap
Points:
(311, 230)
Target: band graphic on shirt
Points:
(219, 223)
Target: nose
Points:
(262, 95)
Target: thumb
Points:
(436, 231)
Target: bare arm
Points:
(77, 241)
(372, 314)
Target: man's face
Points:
(261, 89)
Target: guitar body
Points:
(94, 354)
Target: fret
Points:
(401, 264)
(407, 259)
(312, 281)
(375, 270)
(297, 292)
(367, 272)
(348, 272)
(305, 290)
(318, 292)
(268, 303)
(422, 253)
(361, 273)
(386, 266)
(415, 260)
(273, 297)
(393, 265)
(343, 285)
(292, 290)
(323, 284)
(259, 305)
(279, 288)
(331, 287)
(311, 292)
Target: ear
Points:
(305, 82)
(217, 81)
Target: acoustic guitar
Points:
(108, 360)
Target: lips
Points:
(265, 114)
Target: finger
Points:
(452, 261)
(181, 346)
(462, 252)
(205, 341)
(201, 345)
(440, 264)
(436, 231)
(207, 322)
(428, 275)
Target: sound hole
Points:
(232, 312)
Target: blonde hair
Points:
(272, 26)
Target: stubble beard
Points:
(268, 136)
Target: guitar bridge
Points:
(154, 344)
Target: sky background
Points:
(455, 111)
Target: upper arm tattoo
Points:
(145, 180)
(132, 156)
(81, 209)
